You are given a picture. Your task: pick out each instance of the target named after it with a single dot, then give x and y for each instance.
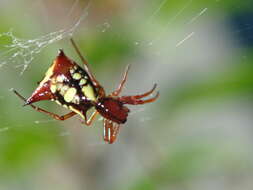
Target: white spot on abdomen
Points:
(82, 82)
(76, 99)
(89, 92)
(70, 94)
(77, 76)
(53, 88)
(64, 89)
(60, 78)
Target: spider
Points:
(76, 89)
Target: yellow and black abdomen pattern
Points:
(74, 90)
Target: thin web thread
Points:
(22, 51)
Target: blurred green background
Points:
(198, 135)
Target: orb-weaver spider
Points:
(76, 89)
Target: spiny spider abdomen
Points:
(76, 89)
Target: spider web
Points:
(21, 52)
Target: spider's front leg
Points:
(135, 100)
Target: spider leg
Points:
(123, 81)
(145, 94)
(91, 119)
(87, 69)
(135, 101)
(111, 131)
(53, 115)
(85, 62)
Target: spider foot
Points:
(145, 94)
(135, 100)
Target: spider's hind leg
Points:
(87, 68)
(53, 115)
(111, 131)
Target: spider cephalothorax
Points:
(76, 89)
(112, 109)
